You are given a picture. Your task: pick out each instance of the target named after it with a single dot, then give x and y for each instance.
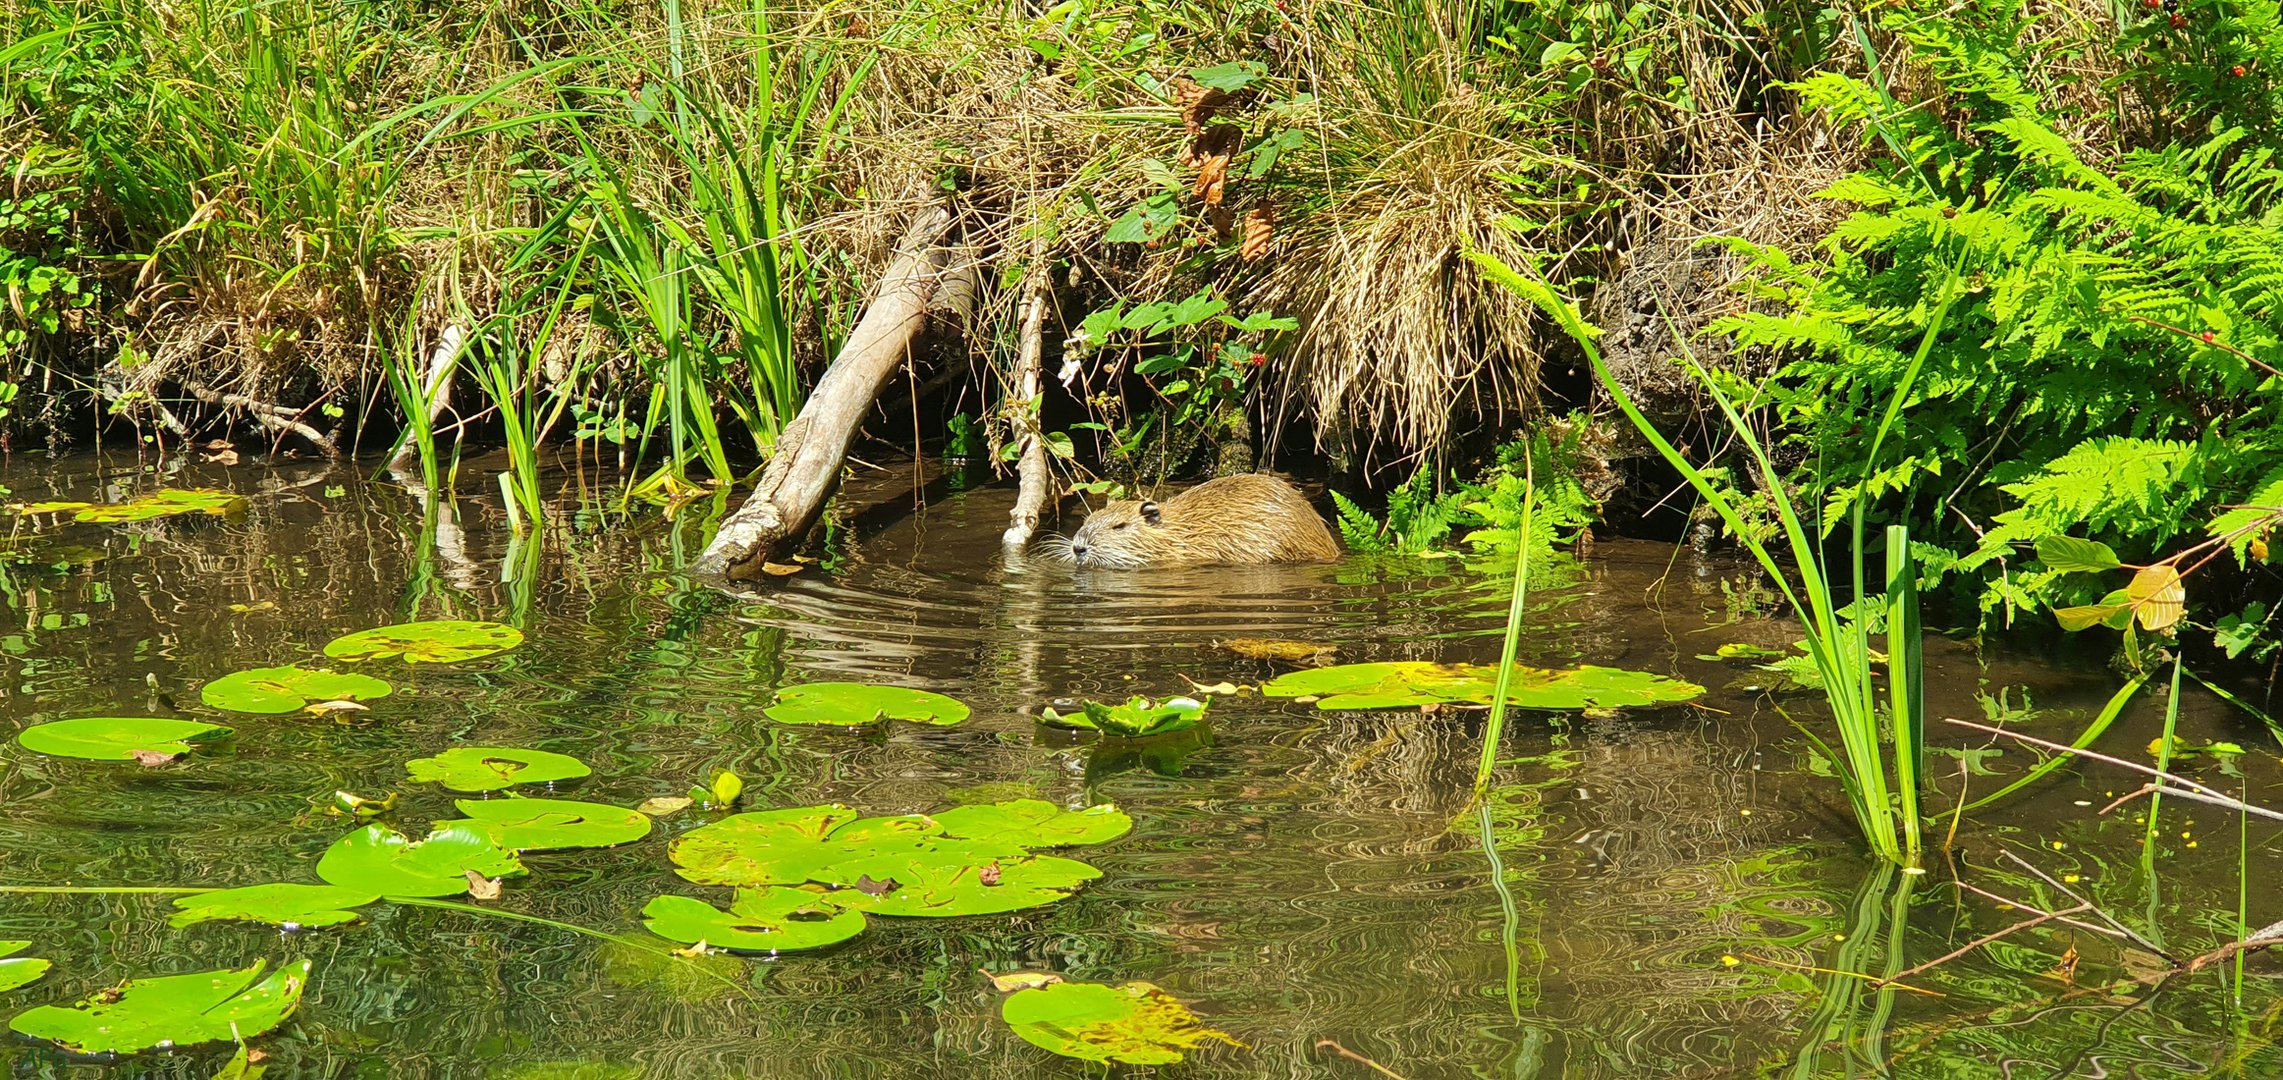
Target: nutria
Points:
(1250, 518)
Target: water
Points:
(1307, 876)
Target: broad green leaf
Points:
(167, 503)
(381, 860)
(770, 919)
(2067, 554)
(286, 689)
(171, 1010)
(117, 738)
(21, 970)
(277, 905)
(766, 847)
(849, 704)
(1035, 823)
(1138, 717)
(1405, 683)
(2086, 616)
(491, 768)
(1232, 76)
(442, 641)
(549, 824)
(929, 885)
(1134, 1024)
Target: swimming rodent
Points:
(1250, 518)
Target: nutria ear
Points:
(1149, 512)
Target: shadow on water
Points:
(1296, 875)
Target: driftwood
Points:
(436, 388)
(806, 464)
(1031, 500)
(276, 418)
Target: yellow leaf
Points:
(1020, 980)
(662, 805)
(2158, 598)
(2081, 618)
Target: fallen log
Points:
(1023, 411)
(806, 465)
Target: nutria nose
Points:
(1078, 550)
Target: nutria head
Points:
(1122, 534)
(1248, 518)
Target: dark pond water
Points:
(1307, 876)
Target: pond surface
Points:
(1664, 881)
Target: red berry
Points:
(1259, 358)
(2179, 21)
(2236, 71)
(2210, 337)
(2154, 4)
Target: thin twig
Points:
(2042, 917)
(1883, 984)
(2174, 784)
(2008, 901)
(2072, 894)
(1359, 1058)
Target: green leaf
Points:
(1406, 683)
(22, 970)
(169, 503)
(117, 738)
(2067, 554)
(2087, 616)
(1134, 1024)
(848, 704)
(380, 860)
(277, 905)
(772, 919)
(491, 768)
(758, 848)
(1035, 823)
(1137, 718)
(171, 1010)
(286, 689)
(549, 824)
(1229, 77)
(1197, 308)
(441, 641)
(241, 1067)
(1260, 321)
(942, 884)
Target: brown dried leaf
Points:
(778, 569)
(1260, 228)
(481, 887)
(2158, 598)
(662, 805)
(221, 457)
(1212, 152)
(1197, 103)
(1223, 221)
(151, 759)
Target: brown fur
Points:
(1250, 518)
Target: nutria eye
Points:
(1119, 525)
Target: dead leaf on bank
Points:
(2158, 598)
(1197, 103)
(778, 569)
(1020, 980)
(481, 887)
(1223, 221)
(1214, 148)
(151, 759)
(662, 805)
(1260, 228)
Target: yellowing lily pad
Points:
(21, 970)
(287, 689)
(549, 824)
(492, 768)
(848, 704)
(171, 1010)
(117, 738)
(770, 919)
(282, 904)
(1404, 683)
(439, 641)
(1134, 1024)
(385, 862)
(169, 503)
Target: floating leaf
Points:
(286, 689)
(1020, 980)
(662, 805)
(171, 1010)
(491, 768)
(850, 704)
(21, 970)
(117, 738)
(1035, 823)
(60, 506)
(381, 860)
(168, 503)
(2066, 554)
(1137, 718)
(771, 919)
(549, 824)
(927, 885)
(1742, 651)
(1289, 652)
(441, 641)
(1405, 683)
(278, 905)
(760, 848)
(1134, 1024)
(2158, 598)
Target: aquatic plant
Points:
(1132, 1024)
(16, 970)
(153, 740)
(1400, 683)
(493, 768)
(288, 689)
(438, 641)
(848, 704)
(171, 1010)
(1135, 718)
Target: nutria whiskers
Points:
(1250, 518)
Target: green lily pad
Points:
(117, 738)
(286, 689)
(278, 905)
(1134, 1024)
(492, 768)
(171, 1010)
(931, 886)
(771, 847)
(22, 970)
(440, 641)
(1138, 718)
(1035, 823)
(1403, 683)
(549, 824)
(169, 503)
(1742, 651)
(847, 704)
(771, 919)
(381, 860)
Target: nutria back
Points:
(1249, 518)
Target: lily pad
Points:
(1134, 1024)
(22, 970)
(171, 1010)
(1138, 718)
(439, 641)
(549, 824)
(117, 738)
(1402, 683)
(848, 704)
(771, 919)
(930, 885)
(383, 861)
(286, 689)
(169, 503)
(785, 847)
(281, 904)
(1035, 823)
(492, 768)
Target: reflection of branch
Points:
(2172, 784)
(2071, 894)
(2042, 917)
(2057, 917)
(1883, 984)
